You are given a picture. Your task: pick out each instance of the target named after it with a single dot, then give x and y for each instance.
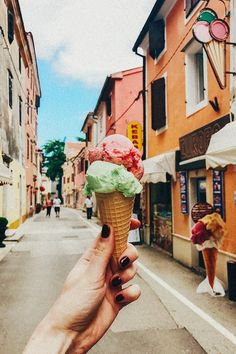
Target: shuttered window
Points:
(10, 22)
(109, 106)
(10, 89)
(158, 104)
(156, 38)
(190, 5)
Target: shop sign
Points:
(183, 179)
(212, 33)
(218, 201)
(135, 134)
(196, 143)
(199, 210)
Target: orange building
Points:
(187, 102)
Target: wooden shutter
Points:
(158, 104)
(156, 38)
(10, 20)
(190, 4)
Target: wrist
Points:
(47, 338)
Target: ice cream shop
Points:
(206, 176)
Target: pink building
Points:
(119, 104)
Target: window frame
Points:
(193, 106)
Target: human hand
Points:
(90, 299)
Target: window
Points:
(156, 38)
(20, 110)
(10, 22)
(158, 104)
(195, 77)
(10, 88)
(31, 152)
(64, 180)
(190, 5)
(28, 147)
(109, 106)
(19, 64)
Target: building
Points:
(32, 155)
(187, 101)
(19, 95)
(14, 59)
(73, 174)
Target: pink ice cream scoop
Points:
(119, 150)
(199, 233)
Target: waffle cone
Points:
(216, 54)
(116, 210)
(210, 258)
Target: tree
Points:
(54, 158)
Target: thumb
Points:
(103, 248)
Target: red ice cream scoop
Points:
(199, 233)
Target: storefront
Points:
(159, 172)
(204, 175)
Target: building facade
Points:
(73, 174)
(189, 98)
(16, 59)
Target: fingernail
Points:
(116, 281)
(119, 298)
(105, 231)
(124, 261)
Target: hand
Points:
(90, 300)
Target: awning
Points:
(222, 148)
(156, 168)
(5, 175)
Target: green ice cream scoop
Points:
(106, 177)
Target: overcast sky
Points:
(83, 41)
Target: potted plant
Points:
(3, 228)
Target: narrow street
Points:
(168, 318)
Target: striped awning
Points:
(5, 175)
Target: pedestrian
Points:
(89, 206)
(48, 205)
(57, 203)
(90, 300)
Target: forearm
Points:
(48, 339)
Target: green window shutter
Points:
(158, 104)
(10, 21)
(156, 38)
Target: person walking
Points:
(89, 206)
(48, 206)
(57, 204)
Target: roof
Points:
(156, 8)
(89, 117)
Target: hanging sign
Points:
(218, 201)
(183, 178)
(135, 134)
(212, 33)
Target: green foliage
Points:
(78, 138)
(3, 222)
(54, 158)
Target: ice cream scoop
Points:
(118, 149)
(199, 233)
(106, 177)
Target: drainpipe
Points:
(144, 104)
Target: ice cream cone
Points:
(116, 210)
(210, 258)
(216, 54)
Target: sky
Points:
(78, 44)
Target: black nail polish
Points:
(116, 281)
(105, 231)
(124, 261)
(119, 298)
